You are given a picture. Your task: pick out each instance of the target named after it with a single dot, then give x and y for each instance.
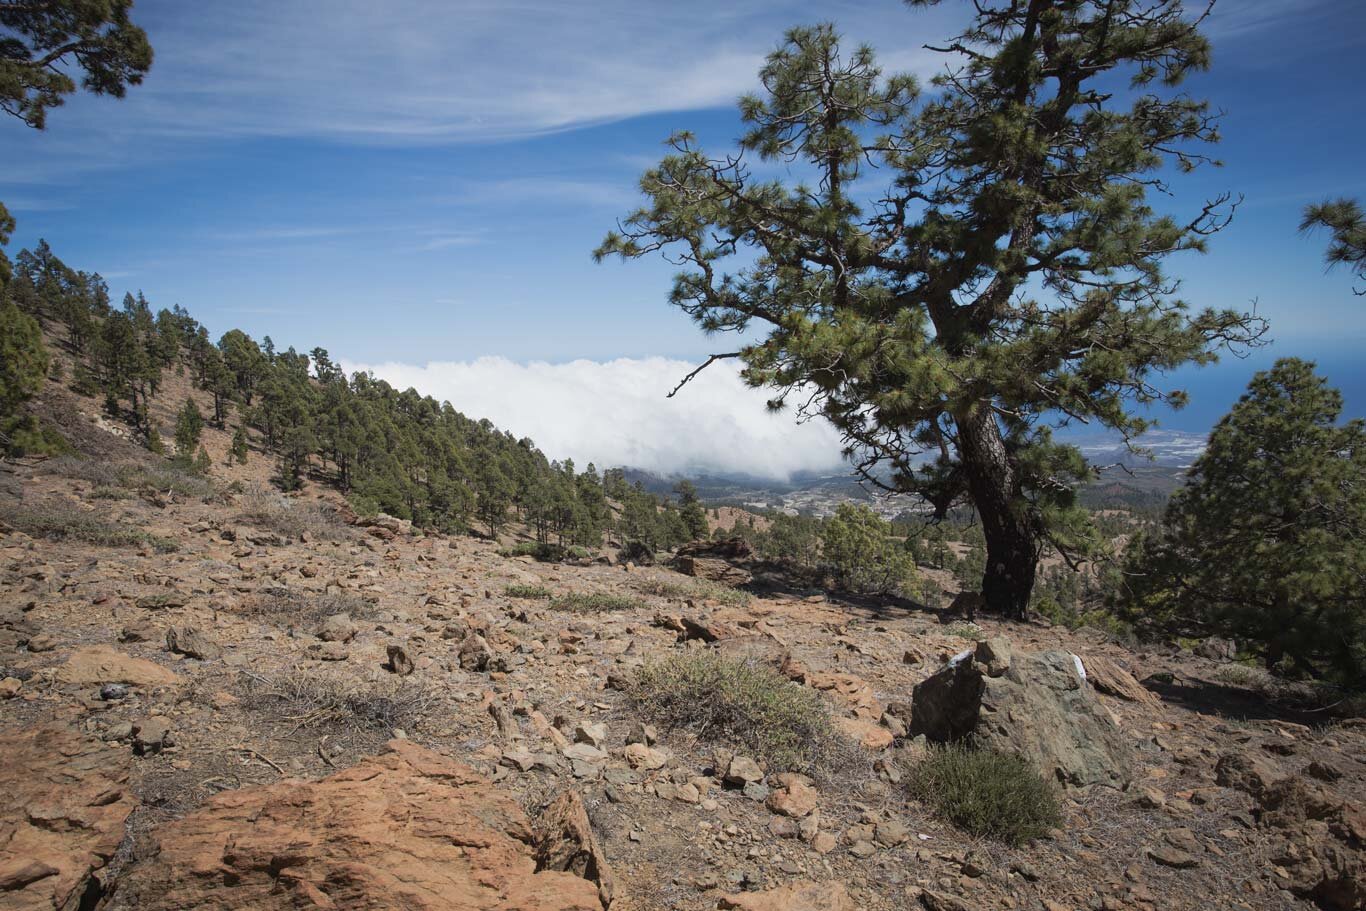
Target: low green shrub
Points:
(530, 592)
(986, 793)
(745, 705)
(595, 602)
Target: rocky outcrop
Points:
(565, 842)
(716, 560)
(1036, 705)
(798, 896)
(102, 664)
(64, 798)
(1318, 839)
(1108, 677)
(406, 829)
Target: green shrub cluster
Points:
(595, 602)
(744, 705)
(986, 793)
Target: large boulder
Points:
(406, 829)
(64, 798)
(1037, 705)
(716, 560)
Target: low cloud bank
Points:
(616, 413)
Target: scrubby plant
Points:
(291, 517)
(702, 589)
(986, 793)
(529, 592)
(303, 608)
(595, 602)
(742, 704)
(545, 552)
(307, 698)
(61, 521)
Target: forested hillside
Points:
(386, 449)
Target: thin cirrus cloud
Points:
(434, 71)
(616, 413)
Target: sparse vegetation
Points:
(745, 705)
(986, 793)
(292, 517)
(59, 520)
(701, 589)
(149, 477)
(310, 699)
(966, 631)
(546, 553)
(303, 608)
(529, 592)
(595, 602)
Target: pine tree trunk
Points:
(994, 486)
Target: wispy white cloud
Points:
(616, 413)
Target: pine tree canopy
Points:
(1266, 540)
(965, 268)
(42, 41)
(1347, 226)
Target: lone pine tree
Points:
(1007, 278)
(1264, 542)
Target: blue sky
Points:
(421, 183)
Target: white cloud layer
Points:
(615, 413)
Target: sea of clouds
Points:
(617, 413)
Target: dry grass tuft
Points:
(986, 793)
(700, 589)
(745, 705)
(291, 517)
(303, 608)
(308, 698)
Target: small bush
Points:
(597, 602)
(986, 793)
(290, 517)
(303, 608)
(309, 698)
(748, 706)
(701, 589)
(966, 631)
(530, 592)
(545, 553)
(58, 520)
(105, 492)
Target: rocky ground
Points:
(240, 702)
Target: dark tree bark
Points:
(994, 486)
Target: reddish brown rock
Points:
(1108, 677)
(565, 842)
(102, 664)
(798, 896)
(406, 829)
(64, 798)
